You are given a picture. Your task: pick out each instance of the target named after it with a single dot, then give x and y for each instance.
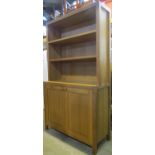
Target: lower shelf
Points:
(72, 83)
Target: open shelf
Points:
(90, 35)
(72, 47)
(73, 71)
(83, 58)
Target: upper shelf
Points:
(75, 38)
(75, 17)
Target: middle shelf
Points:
(75, 38)
(80, 58)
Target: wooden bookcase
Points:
(76, 94)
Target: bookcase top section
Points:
(76, 16)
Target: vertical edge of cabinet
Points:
(94, 121)
(102, 44)
(97, 45)
(102, 110)
(45, 106)
(110, 80)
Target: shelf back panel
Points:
(80, 72)
(77, 29)
(87, 48)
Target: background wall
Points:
(45, 66)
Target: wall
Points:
(45, 66)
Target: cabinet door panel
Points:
(80, 114)
(57, 108)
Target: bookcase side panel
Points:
(103, 45)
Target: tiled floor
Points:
(56, 143)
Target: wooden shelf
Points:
(75, 38)
(72, 83)
(83, 58)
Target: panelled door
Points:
(80, 114)
(57, 107)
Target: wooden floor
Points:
(56, 143)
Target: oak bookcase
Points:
(76, 93)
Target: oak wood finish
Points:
(78, 49)
(80, 122)
(75, 38)
(77, 94)
(46, 108)
(72, 84)
(84, 58)
(58, 108)
(102, 113)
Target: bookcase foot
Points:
(94, 149)
(108, 137)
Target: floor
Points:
(56, 143)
